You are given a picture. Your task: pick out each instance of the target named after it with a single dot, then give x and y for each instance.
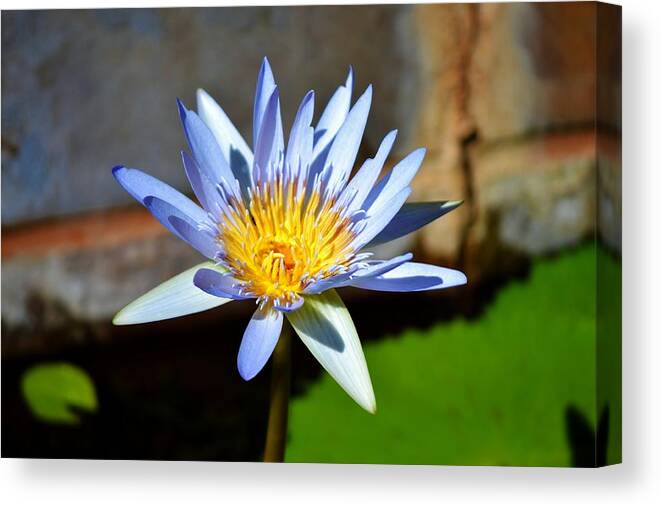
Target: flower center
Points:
(272, 250)
(279, 243)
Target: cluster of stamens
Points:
(283, 239)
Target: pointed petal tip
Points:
(246, 375)
(117, 169)
(366, 98)
(202, 95)
(265, 68)
(366, 400)
(124, 317)
(417, 156)
(182, 109)
(371, 407)
(349, 81)
(390, 137)
(119, 320)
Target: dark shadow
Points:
(331, 338)
(240, 168)
(602, 437)
(587, 449)
(318, 134)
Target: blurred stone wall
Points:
(84, 91)
(509, 99)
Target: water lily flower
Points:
(285, 227)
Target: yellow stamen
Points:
(277, 243)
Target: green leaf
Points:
(52, 390)
(496, 390)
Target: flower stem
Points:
(276, 433)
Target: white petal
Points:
(398, 178)
(333, 116)
(174, 298)
(344, 149)
(361, 184)
(326, 328)
(380, 218)
(299, 147)
(227, 136)
(222, 127)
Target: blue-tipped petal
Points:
(140, 185)
(412, 217)
(342, 154)
(201, 240)
(182, 226)
(265, 88)
(265, 152)
(412, 277)
(205, 149)
(236, 151)
(258, 342)
(219, 285)
(398, 178)
(333, 116)
(299, 147)
(378, 219)
(360, 185)
(202, 187)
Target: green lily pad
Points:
(53, 390)
(516, 386)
